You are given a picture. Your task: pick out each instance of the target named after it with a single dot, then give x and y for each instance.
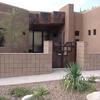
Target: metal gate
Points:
(64, 54)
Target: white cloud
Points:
(44, 5)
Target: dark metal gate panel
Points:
(57, 56)
(64, 54)
(69, 53)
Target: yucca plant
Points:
(74, 81)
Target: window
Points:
(2, 39)
(77, 33)
(89, 32)
(94, 32)
(23, 33)
(76, 39)
(46, 35)
(38, 42)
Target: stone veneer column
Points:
(81, 53)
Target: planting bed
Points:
(54, 87)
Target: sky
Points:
(52, 5)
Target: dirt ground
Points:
(54, 87)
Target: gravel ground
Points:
(54, 87)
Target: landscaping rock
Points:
(27, 97)
(94, 96)
(97, 80)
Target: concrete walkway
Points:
(57, 74)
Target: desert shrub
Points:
(20, 92)
(92, 79)
(39, 93)
(3, 98)
(74, 81)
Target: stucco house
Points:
(35, 42)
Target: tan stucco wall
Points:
(88, 51)
(78, 20)
(90, 22)
(15, 21)
(69, 22)
(73, 22)
(82, 22)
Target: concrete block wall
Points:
(19, 64)
(85, 60)
(80, 54)
(92, 62)
(48, 47)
